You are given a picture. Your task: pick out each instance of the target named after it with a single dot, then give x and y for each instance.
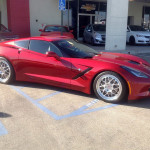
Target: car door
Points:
(34, 65)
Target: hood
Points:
(124, 60)
(145, 33)
(101, 32)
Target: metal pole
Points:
(61, 22)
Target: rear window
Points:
(56, 28)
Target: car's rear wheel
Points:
(6, 71)
(110, 87)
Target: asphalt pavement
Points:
(41, 117)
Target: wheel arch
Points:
(10, 64)
(132, 36)
(127, 84)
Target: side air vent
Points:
(134, 62)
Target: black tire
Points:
(84, 40)
(11, 75)
(92, 42)
(132, 40)
(122, 87)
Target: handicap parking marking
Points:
(83, 110)
(3, 130)
(80, 111)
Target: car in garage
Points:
(6, 34)
(56, 30)
(64, 62)
(94, 34)
(137, 35)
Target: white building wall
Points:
(43, 12)
(135, 10)
(3, 9)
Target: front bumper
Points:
(99, 41)
(139, 89)
(143, 40)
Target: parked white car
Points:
(137, 35)
(95, 34)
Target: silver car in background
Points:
(95, 34)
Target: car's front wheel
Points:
(84, 41)
(92, 42)
(132, 40)
(6, 71)
(110, 87)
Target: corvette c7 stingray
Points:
(63, 62)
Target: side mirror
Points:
(53, 54)
(71, 31)
(40, 30)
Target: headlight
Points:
(140, 35)
(135, 72)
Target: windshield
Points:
(99, 27)
(137, 28)
(74, 49)
(56, 28)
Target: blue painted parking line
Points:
(50, 113)
(80, 111)
(48, 96)
(21, 87)
(83, 110)
(3, 130)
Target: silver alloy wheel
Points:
(109, 87)
(5, 71)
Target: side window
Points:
(53, 48)
(39, 46)
(23, 44)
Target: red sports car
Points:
(63, 62)
(55, 30)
